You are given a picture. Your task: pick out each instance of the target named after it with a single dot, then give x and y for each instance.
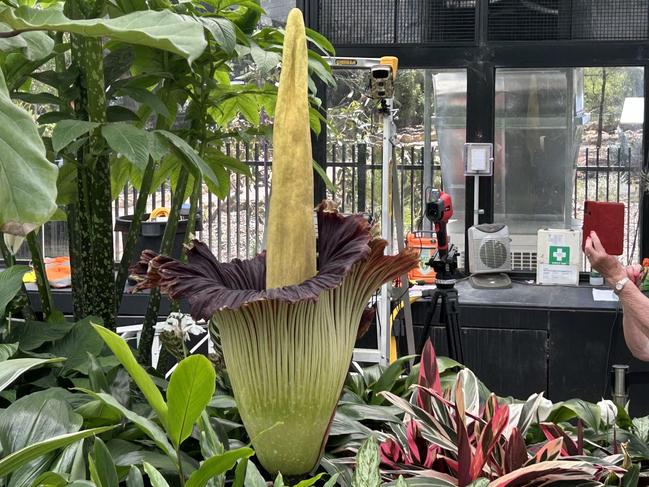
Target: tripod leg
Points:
(453, 324)
(430, 316)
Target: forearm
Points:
(636, 321)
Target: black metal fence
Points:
(458, 23)
(234, 226)
(609, 174)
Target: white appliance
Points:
(489, 249)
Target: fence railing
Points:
(608, 174)
(234, 226)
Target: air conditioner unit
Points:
(489, 249)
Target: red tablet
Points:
(607, 220)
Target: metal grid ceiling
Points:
(367, 22)
(606, 20)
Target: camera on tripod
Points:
(439, 210)
(444, 298)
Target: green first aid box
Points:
(558, 257)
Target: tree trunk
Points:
(47, 306)
(602, 99)
(148, 332)
(91, 243)
(133, 232)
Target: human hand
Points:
(634, 273)
(607, 265)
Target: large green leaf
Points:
(321, 41)
(120, 171)
(388, 378)
(75, 346)
(309, 482)
(265, 60)
(7, 350)
(129, 141)
(229, 162)
(147, 426)
(367, 472)
(33, 45)
(422, 482)
(10, 370)
(30, 420)
(104, 466)
(576, 408)
(50, 479)
(123, 353)
(36, 417)
(145, 97)
(21, 457)
(31, 335)
(190, 389)
(134, 477)
(27, 178)
(217, 465)
(252, 476)
(188, 155)
(158, 29)
(157, 480)
(631, 477)
(67, 131)
(10, 281)
(223, 31)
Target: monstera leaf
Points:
(161, 30)
(27, 178)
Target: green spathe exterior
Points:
(287, 328)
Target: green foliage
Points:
(190, 390)
(367, 472)
(10, 281)
(147, 426)
(102, 466)
(25, 169)
(10, 370)
(161, 30)
(67, 131)
(217, 465)
(138, 374)
(156, 478)
(22, 457)
(621, 83)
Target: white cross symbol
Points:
(559, 254)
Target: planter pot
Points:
(151, 234)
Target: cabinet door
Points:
(583, 347)
(508, 362)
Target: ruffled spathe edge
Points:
(211, 286)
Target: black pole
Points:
(319, 147)
(644, 196)
(480, 113)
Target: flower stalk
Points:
(287, 325)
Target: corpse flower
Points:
(289, 317)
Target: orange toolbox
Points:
(424, 243)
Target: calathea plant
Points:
(289, 317)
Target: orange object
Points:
(58, 271)
(425, 245)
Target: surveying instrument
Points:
(383, 73)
